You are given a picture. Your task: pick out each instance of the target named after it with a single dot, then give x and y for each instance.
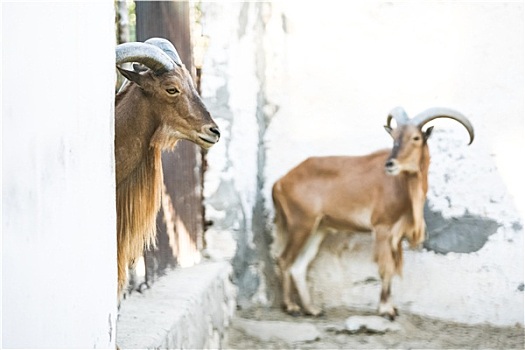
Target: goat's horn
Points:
(149, 55)
(399, 115)
(433, 113)
(167, 47)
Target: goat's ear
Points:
(131, 76)
(388, 129)
(428, 132)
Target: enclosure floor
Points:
(416, 332)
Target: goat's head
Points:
(410, 141)
(168, 88)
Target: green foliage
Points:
(125, 21)
(132, 20)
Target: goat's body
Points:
(347, 194)
(383, 192)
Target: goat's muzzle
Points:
(210, 135)
(392, 167)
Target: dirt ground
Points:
(415, 332)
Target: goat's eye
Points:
(416, 138)
(172, 91)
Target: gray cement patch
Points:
(465, 234)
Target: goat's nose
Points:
(212, 130)
(215, 130)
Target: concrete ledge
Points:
(189, 308)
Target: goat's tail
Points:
(280, 224)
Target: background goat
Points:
(383, 192)
(156, 109)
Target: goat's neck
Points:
(135, 126)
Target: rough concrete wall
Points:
(331, 76)
(234, 88)
(58, 181)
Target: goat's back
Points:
(341, 189)
(318, 176)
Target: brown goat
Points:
(383, 192)
(158, 107)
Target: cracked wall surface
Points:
(234, 86)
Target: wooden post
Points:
(179, 223)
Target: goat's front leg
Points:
(386, 306)
(388, 257)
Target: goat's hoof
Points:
(390, 315)
(292, 309)
(142, 287)
(294, 313)
(314, 311)
(388, 311)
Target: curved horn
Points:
(149, 55)
(399, 115)
(167, 47)
(433, 113)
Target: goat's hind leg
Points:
(302, 246)
(286, 256)
(300, 265)
(288, 304)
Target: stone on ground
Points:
(289, 332)
(372, 324)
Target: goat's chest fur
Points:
(138, 201)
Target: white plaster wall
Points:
(237, 70)
(346, 68)
(58, 191)
(332, 74)
(229, 89)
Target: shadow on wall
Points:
(464, 234)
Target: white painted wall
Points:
(334, 75)
(58, 192)
(363, 59)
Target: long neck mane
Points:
(417, 188)
(139, 182)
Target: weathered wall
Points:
(233, 88)
(292, 80)
(58, 189)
